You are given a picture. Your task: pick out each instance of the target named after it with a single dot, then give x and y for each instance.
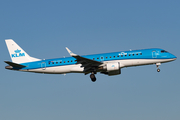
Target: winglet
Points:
(71, 53)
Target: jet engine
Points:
(112, 68)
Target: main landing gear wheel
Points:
(158, 70)
(93, 78)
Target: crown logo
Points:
(17, 51)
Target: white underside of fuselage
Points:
(76, 68)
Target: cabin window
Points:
(49, 62)
(71, 60)
(118, 56)
(133, 54)
(121, 55)
(93, 58)
(106, 57)
(129, 54)
(68, 61)
(125, 55)
(101, 57)
(52, 62)
(110, 56)
(97, 58)
(137, 54)
(114, 56)
(140, 53)
(60, 62)
(64, 61)
(56, 62)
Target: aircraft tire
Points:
(158, 70)
(93, 78)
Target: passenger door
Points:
(154, 55)
(43, 65)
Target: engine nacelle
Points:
(113, 68)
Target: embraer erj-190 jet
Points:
(106, 63)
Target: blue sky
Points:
(44, 28)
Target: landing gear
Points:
(93, 77)
(158, 70)
(157, 65)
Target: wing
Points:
(88, 64)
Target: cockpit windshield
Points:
(163, 51)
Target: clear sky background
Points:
(44, 28)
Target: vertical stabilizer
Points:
(17, 54)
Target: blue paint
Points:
(123, 55)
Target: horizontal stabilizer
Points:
(14, 64)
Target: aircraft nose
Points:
(173, 56)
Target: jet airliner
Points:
(106, 63)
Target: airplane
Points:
(107, 63)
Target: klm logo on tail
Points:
(17, 54)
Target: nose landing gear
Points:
(157, 65)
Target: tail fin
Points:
(17, 54)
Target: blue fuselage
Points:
(144, 54)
